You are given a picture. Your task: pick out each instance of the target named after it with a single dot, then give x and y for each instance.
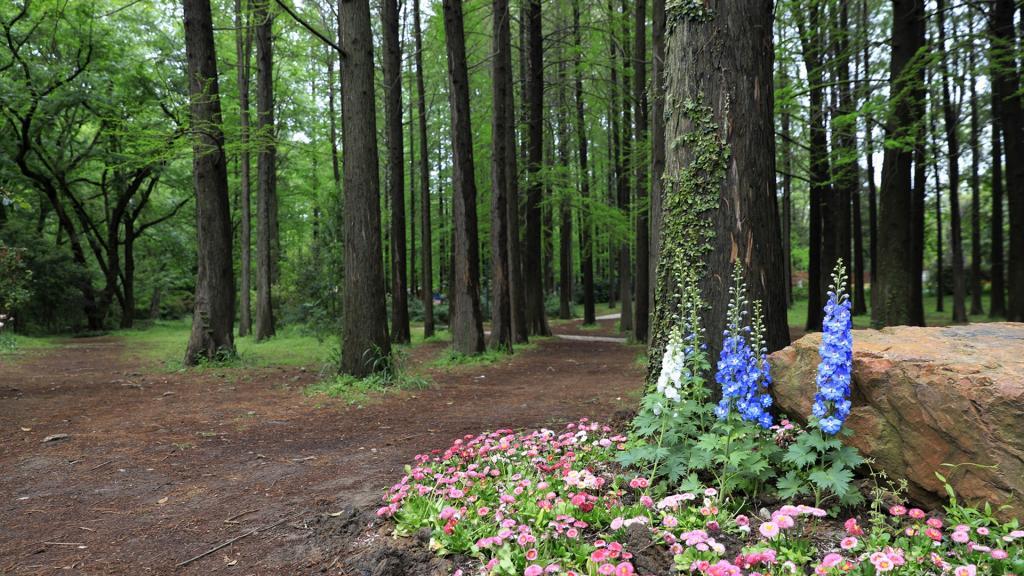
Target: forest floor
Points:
(157, 467)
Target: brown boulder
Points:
(925, 398)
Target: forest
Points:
(494, 163)
(776, 243)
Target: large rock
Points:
(927, 397)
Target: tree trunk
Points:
(720, 175)
(821, 239)
(640, 166)
(212, 322)
(533, 272)
(389, 13)
(845, 166)
(266, 193)
(426, 243)
(997, 291)
(586, 225)
(1006, 83)
(128, 280)
(243, 49)
(517, 284)
(623, 188)
(466, 321)
(787, 195)
(154, 304)
(894, 300)
(951, 117)
(658, 23)
(501, 298)
(869, 153)
(365, 326)
(976, 305)
(565, 265)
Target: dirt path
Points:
(154, 464)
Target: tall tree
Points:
(266, 178)
(869, 153)
(720, 173)
(821, 240)
(389, 12)
(365, 326)
(894, 284)
(565, 264)
(586, 222)
(976, 305)
(623, 184)
(243, 49)
(844, 163)
(533, 273)
(466, 321)
(951, 120)
(997, 291)
(656, 136)
(502, 147)
(640, 166)
(1006, 86)
(214, 313)
(426, 242)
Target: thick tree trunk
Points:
(396, 170)
(894, 300)
(517, 284)
(501, 298)
(1005, 84)
(266, 192)
(466, 321)
(586, 225)
(951, 117)
(365, 326)
(212, 322)
(720, 175)
(533, 272)
(243, 49)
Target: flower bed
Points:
(580, 501)
(556, 503)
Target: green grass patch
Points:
(797, 314)
(359, 391)
(452, 359)
(163, 343)
(16, 345)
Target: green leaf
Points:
(790, 485)
(800, 455)
(823, 443)
(847, 456)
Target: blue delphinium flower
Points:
(742, 368)
(831, 403)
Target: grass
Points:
(360, 391)
(452, 359)
(164, 342)
(798, 313)
(13, 345)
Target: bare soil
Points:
(157, 468)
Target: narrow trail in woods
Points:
(159, 467)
